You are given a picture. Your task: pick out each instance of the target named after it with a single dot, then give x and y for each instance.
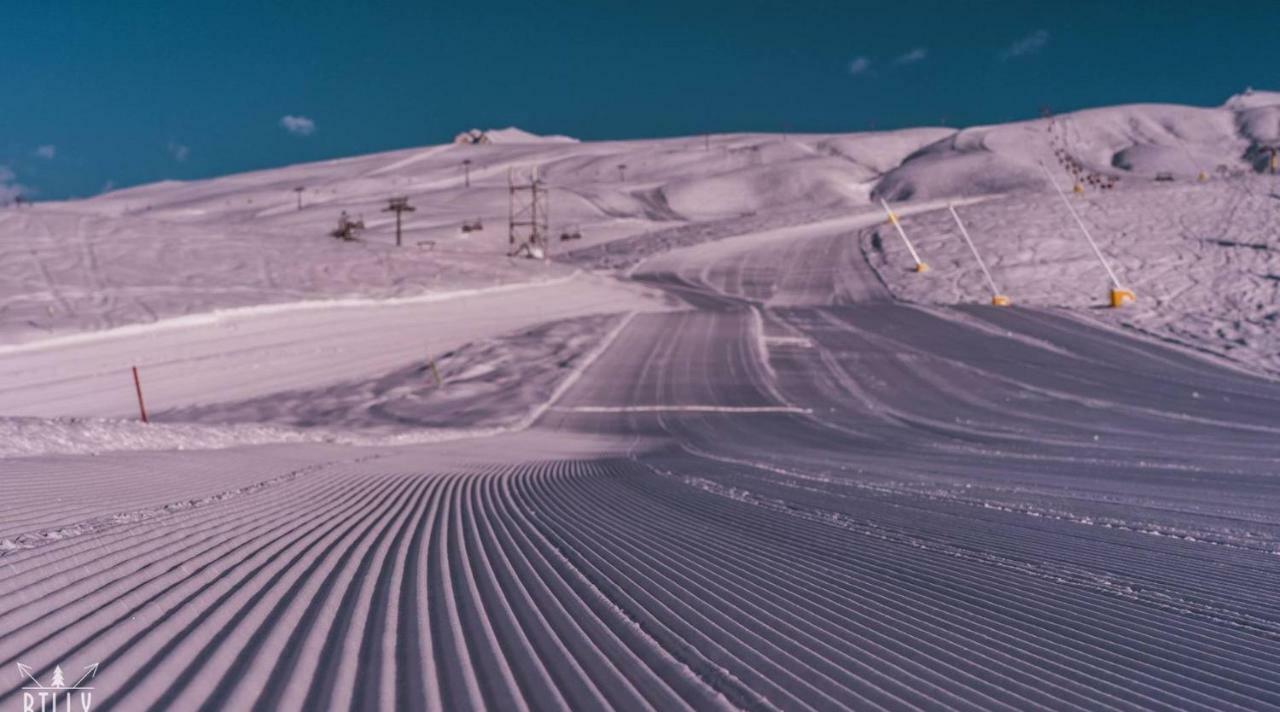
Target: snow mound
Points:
(883, 151)
(825, 182)
(510, 134)
(1136, 142)
(1250, 98)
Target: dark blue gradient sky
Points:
(120, 93)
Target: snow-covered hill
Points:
(1136, 142)
(172, 248)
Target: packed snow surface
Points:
(753, 461)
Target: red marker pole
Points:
(137, 386)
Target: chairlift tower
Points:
(528, 217)
(398, 205)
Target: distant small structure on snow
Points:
(472, 138)
(348, 230)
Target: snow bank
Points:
(31, 437)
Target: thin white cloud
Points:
(178, 152)
(47, 151)
(298, 125)
(1030, 44)
(859, 65)
(9, 186)
(916, 55)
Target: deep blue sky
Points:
(132, 92)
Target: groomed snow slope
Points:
(836, 501)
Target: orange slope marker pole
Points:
(997, 299)
(1119, 295)
(893, 218)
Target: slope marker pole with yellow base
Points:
(997, 299)
(893, 218)
(1119, 295)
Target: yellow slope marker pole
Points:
(1119, 295)
(893, 218)
(997, 299)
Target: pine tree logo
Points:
(57, 695)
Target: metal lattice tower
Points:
(528, 217)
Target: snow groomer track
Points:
(794, 494)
